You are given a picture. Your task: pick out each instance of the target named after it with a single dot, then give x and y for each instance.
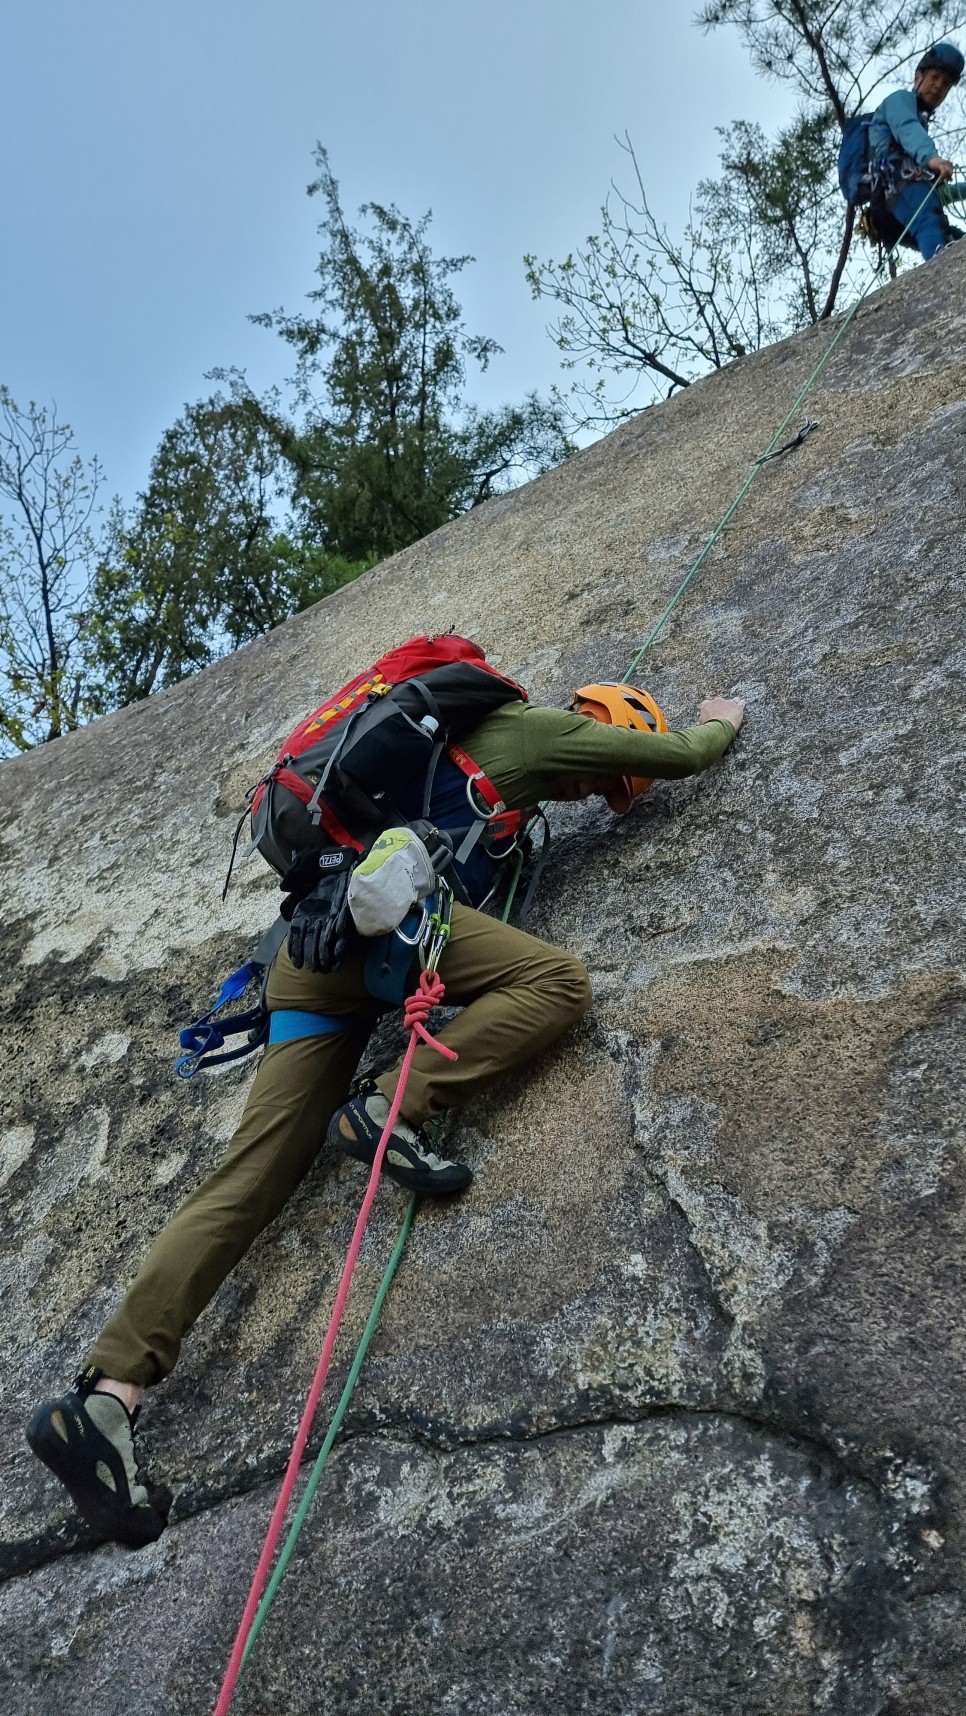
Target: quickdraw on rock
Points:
(808, 428)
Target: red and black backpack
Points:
(339, 776)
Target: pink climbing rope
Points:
(417, 1009)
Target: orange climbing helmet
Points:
(621, 706)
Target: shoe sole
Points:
(135, 1526)
(421, 1182)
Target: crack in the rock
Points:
(446, 1439)
(412, 1427)
(676, 1207)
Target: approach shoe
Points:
(357, 1127)
(87, 1440)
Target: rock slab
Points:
(667, 1414)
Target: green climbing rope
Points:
(315, 1477)
(763, 458)
(800, 397)
(515, 883)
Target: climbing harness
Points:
(204, 1039)
(290, 1024)
(387, 970)
(418, 1006)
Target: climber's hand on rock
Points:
(723, 709)
(940, 166)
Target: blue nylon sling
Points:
(287, 1024)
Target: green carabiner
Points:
(440, 924)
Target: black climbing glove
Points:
(301, 878)
(320, 921)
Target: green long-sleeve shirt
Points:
(524, 750)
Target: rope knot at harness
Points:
(418, 1006)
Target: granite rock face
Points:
(667, 1415)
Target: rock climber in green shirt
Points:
(517, 995)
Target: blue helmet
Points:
(944, 57)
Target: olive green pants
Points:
(517, 994)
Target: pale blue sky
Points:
(157, 153)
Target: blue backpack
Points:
(854, 160)
(878, 223)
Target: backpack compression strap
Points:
(304, 790)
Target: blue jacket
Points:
(897, 130)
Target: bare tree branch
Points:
(768, 245)
(47, 550)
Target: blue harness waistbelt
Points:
(289, 1023)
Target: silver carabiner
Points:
(417, 939)
(486, 814)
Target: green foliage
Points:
(387, 450)
(834, 53)
(252, 511)
(785, 194)
(203, 563)
(766, 247)
(48, 546)
(638, 302)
